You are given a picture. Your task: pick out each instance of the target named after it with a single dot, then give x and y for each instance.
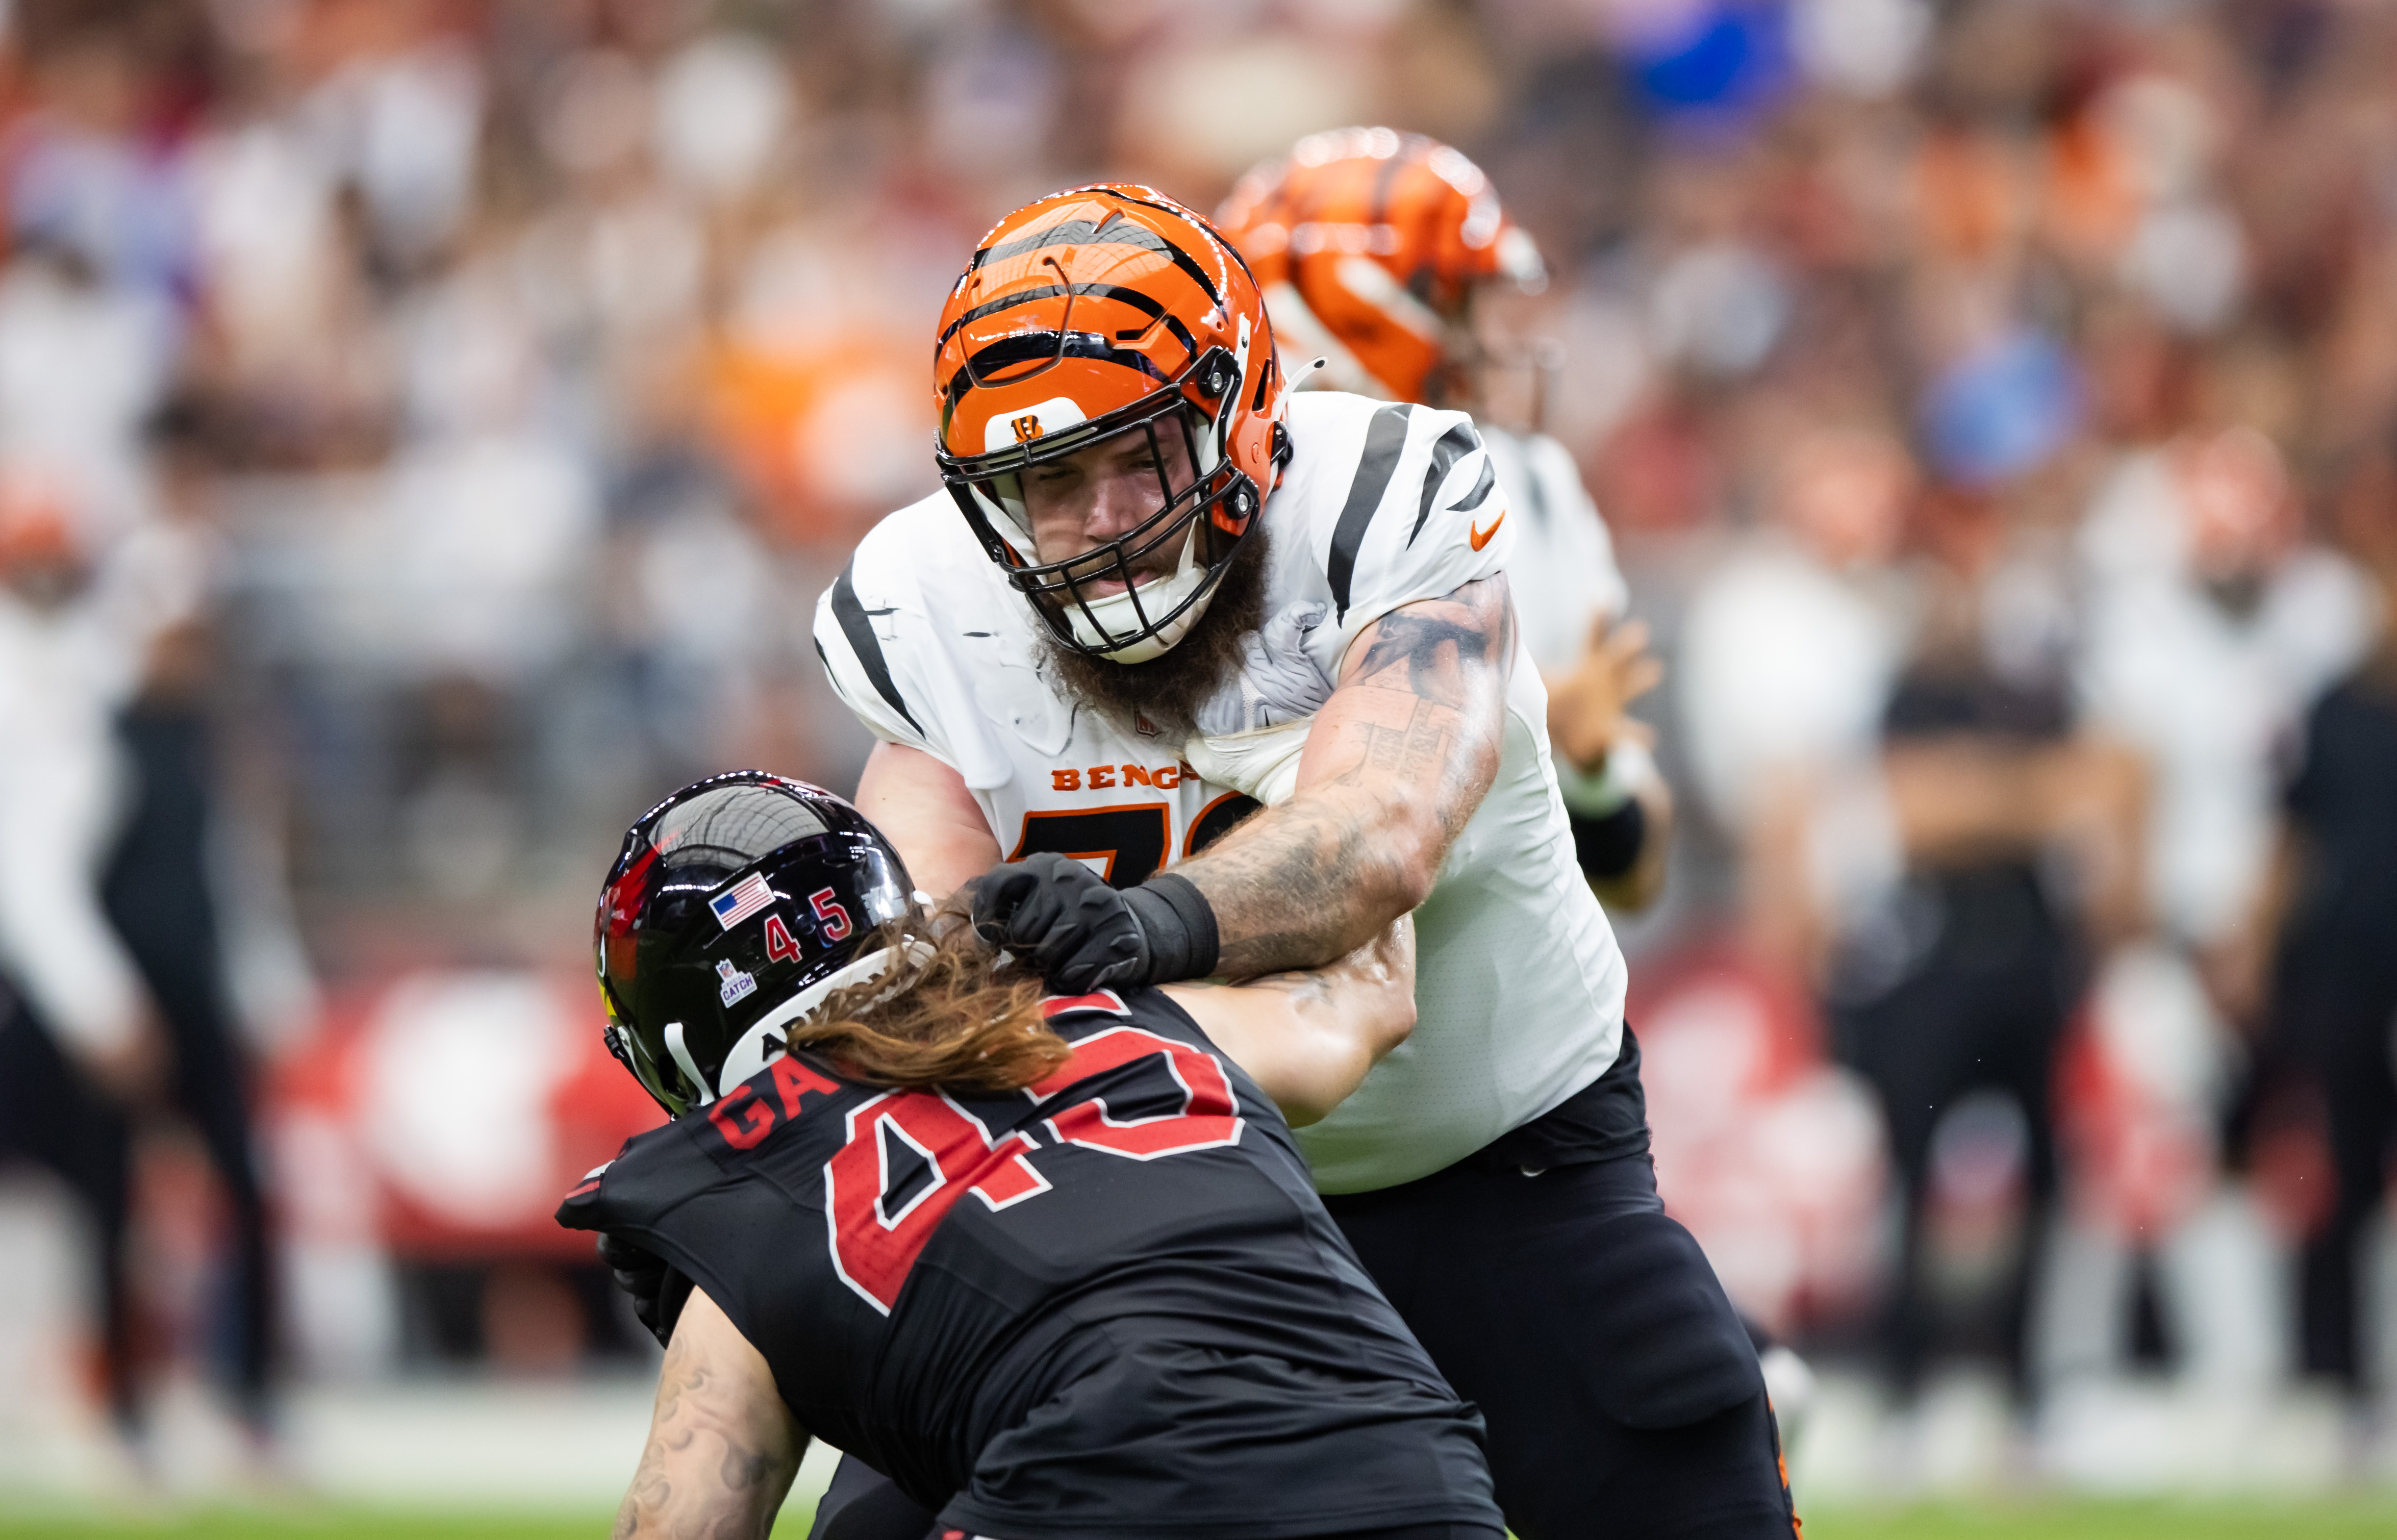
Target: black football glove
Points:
(658, 1291)
(1063, 919)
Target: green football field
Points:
(2045, 1521)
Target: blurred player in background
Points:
(2332, 908)
(2209, 625)
(1053, 1264)
(108, 933)
(1372, 247)
(81, 1047)
(1123, 648)
(161, 894)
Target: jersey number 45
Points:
(911, 1154)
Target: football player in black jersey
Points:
(1054, 1267)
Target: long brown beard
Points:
(1169, 690)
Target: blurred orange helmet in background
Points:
(1097, 311)
(1368, 242)
(40, 537)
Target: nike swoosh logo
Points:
(1481, 537)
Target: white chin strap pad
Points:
(1098, 622)
(764, 1040)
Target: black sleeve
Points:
(658, 1292)
(2301, 790)
(1609, 846)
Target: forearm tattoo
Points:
(1420, 719)
(737, 1504)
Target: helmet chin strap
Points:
(1218, 438)
(764, 1040)
(681, 1052)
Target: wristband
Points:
(1627, 767)
(1608, 847)
(1179, 925)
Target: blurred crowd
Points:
(425, 424)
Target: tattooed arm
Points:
(1399, 758)
(1309, 1039)
(722, 1449)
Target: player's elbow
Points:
(1304, 1109)
(1372, 1023)
(1413, 851)
(1392, 1021)
(1381, 998)
(1387, 863)
(1308, 1099)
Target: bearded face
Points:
(1170, 689)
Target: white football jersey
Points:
(1562, 573)
(1518, 983)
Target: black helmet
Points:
(736, 904)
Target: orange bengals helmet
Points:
(1367, 242)
(1094, 312)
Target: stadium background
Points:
(487, 389)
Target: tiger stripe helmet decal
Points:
(1367, 242)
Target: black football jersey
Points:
(1110, 1303)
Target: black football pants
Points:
(157, 894)
(50, 1115)
(2342, 1049)
(1983, 1007)
(1621, 1391)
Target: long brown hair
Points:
(956, 1021)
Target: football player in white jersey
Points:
(1179, 591)
(1397, 319)
(1401, 321)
